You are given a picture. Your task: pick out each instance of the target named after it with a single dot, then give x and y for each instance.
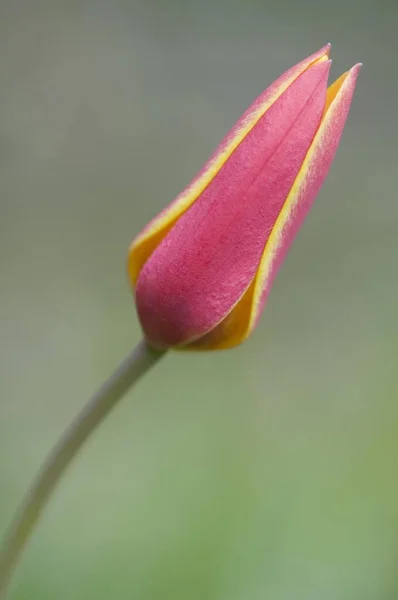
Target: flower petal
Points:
(145, 243)
(204, 265)
(243, 319)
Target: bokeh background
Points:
(269, 471)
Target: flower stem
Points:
(141, 359)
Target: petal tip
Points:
(327, 48)
(354, 71)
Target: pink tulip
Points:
(202, 269)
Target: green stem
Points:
(98, 407)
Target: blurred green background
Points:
(269, 471)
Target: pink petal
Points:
(209, 258)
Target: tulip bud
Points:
(202, 270)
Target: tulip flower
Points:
(202, 270)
